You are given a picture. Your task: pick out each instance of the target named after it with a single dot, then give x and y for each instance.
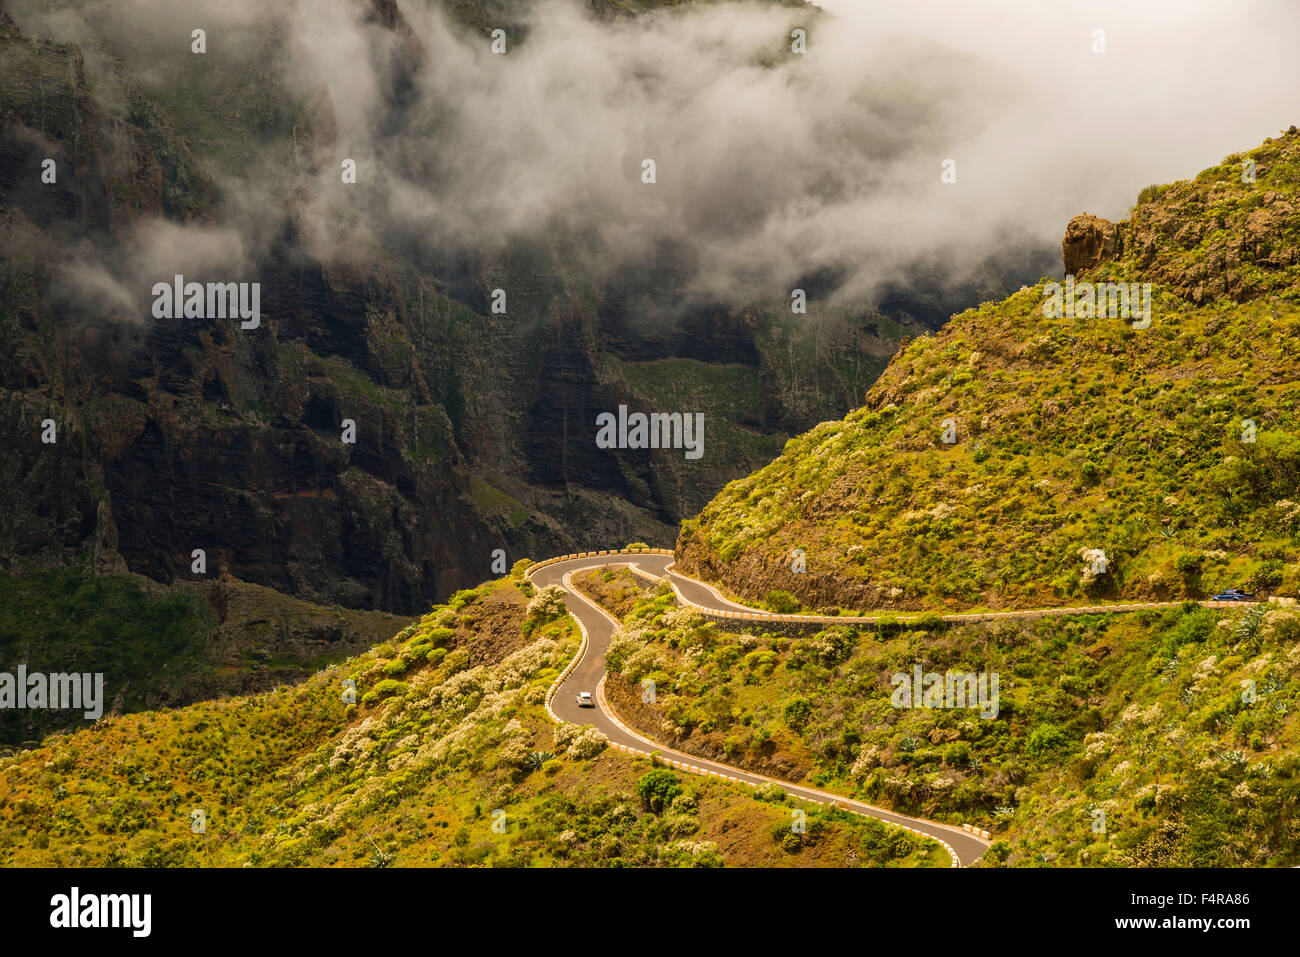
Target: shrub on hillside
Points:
(680, 825)
(657, 788)
(771, 792)
(643, 661)
(1281, 626)
(620, 649)
(384, 689)
(517, 752)
(547, 604)
(957, 753)
(760, 662)
(782, 602)
(692, 854)
(440, 636)
(868, 758)
(684, 803)
(579, 742)
(1043, 739)
(457, 660)
(587, 743)
(797, 713)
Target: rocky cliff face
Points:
(474, 431)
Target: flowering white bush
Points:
(547, 603)
(587, 743)
(693, 848)
(406, 744)
(831, 646)
(1281, 625)
(767, 792)
(515, 750)
(671, 728)
(622, 647)
(680, 825)
(397, 762)
(868, 758)
(520, 666)
(642, 662)
(686, 803)
(461, 691)
(681, 618)
(1098, 743)
(1095, 564)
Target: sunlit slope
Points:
(993, 461)
(1162, 738)
(443, 757)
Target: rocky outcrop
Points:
(1218, 237)
(1227, 234)
(1089, 241)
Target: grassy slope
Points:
(164, 646)
(1143, 717)
(448, 728)
(1071, 434)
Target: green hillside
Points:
(163, 646)
(445, 758)
(1163, 738)
(994, 460)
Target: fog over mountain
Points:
(1182, 83)
(770, 166)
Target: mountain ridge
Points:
(991, 457)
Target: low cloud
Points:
(770, 167)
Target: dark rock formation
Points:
(474, 431)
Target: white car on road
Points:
(584, 700)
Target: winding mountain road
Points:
(588, 674)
